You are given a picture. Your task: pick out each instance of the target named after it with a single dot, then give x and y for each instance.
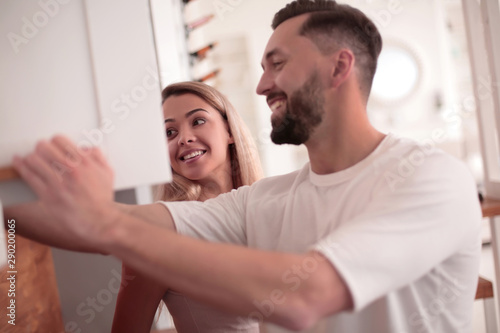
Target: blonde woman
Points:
(211, 152)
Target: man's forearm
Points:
(233, 278)
(30, 220)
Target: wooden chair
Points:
(37, 302)
(484, 292)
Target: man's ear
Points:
(343, 61)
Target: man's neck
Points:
(343, 146)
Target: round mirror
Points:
(397, 76)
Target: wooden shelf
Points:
(8, 173)
(490, 207)
(484, 289)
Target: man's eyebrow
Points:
(187, 115)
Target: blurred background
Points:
(423, 89)
(423, 82)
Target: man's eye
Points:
(199, 121)
(277, 63)
(170, 132)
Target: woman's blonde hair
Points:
(245, 162)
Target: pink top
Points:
(193, 317)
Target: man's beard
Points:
(304, 111)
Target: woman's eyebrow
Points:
(187, 115)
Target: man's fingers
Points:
(66, 152)
(64, 142)
(72, 155)
(50, 171)
(30, 177)
(53, 156)
(59, 163)
(99, 157)
(52, 160)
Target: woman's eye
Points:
(199, 121)
(170, 132)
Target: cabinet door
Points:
(86, 69)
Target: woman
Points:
(210, 153)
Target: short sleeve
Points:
(415, 221)
(217, 220)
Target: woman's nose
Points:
(186, 137)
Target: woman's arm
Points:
(137, 302)
(138, 298)
(156, 214)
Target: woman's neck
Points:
(211, 189)
(220, 181)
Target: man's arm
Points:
(290, 290)
(33, 217)
(263, 285)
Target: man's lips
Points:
(276, 100)
(276, 104)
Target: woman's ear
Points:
(231, 138)
(343, 64)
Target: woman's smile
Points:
(191, 156)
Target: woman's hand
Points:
(74, 185)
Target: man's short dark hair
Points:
(332, 26)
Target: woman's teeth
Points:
(192, 155)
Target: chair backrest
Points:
(37, 304)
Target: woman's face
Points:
(198, 138)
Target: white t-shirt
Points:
(402, 227)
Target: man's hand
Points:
(75, 187)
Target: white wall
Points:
(420, 24)
(250, 20)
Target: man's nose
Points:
(265, 84)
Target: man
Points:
(356, 241)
